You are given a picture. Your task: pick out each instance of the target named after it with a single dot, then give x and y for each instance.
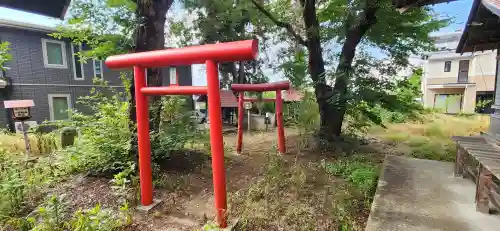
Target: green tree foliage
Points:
(333, 32)
(106, 27)
(109, 27)
(294, 68)
(5, 56)
(378, 98)
(224, 21)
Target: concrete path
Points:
(416, 194)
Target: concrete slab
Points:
(415, 194)
(149, 207)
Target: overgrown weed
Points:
(430, 138)
(305, 195)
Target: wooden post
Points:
(26, 141)
(483, 190)
(459, 162)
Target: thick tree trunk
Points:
(354, 34)
(331, 102)
(150, 35)
(241, 72)
(317, 67)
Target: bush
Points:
(177, 129)
(104, 141)
(21, 183)
(103, 146)
(53, 216)
(303, 114)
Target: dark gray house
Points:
(46, 70)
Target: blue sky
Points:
(459, 10)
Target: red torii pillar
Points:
(209, 54)
(276, 86)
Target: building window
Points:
(59, 105)
(173, 76)
(447, 66)
(448, 103)
(54, 54)
(98, 69)
(78, 72)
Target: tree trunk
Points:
(354, 34)
(317, 67)
(241, 72)
(331, 102)
(150, 35)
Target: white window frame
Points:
(74, 63)
(46, 60)
(174, 77)
(51, 103)
(102, 68)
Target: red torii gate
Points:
(211, 55)
(278, 87)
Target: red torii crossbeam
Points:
(209, 54)
(276, 86)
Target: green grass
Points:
(357, 170)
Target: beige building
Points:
(455, 83)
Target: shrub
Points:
(104, 141)
(303, 114)
(12, 187)
(98, 219)
(21, 183)
(53, 216)
(177, 129)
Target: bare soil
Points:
(186, 192)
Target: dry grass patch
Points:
(429, 138)
(13, 143)
(304, 195)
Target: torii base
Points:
(148, 208)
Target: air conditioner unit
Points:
(27, 125)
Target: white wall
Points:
(435, 69)
(480, 64)
(483, 64)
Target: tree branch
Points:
(279, 23)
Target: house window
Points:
(448, 103)
(173, 76)
(54, 54)
(447, 66)
(98, 69)
(59, 105)
(77, 64)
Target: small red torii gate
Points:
(276, 86)
(210, 55)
